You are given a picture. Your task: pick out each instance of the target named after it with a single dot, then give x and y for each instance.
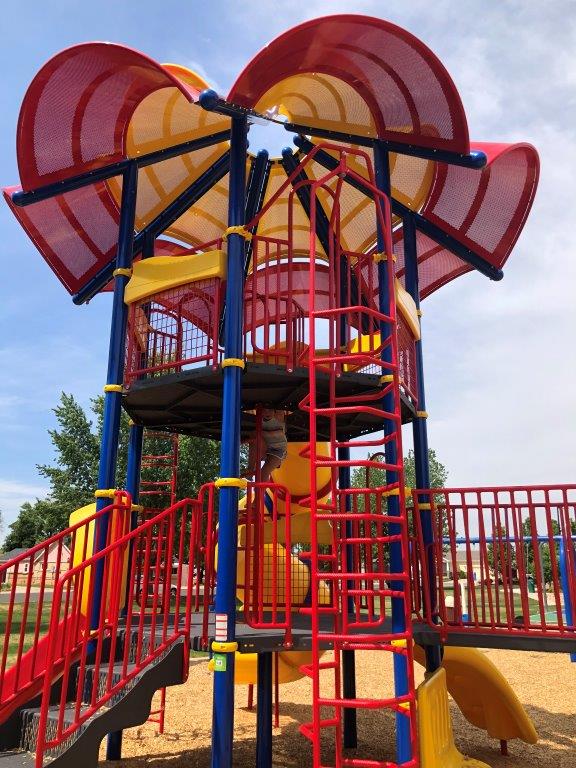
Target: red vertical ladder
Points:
(158, 483)
(369, 530)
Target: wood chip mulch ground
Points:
(545, 684)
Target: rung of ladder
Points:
(381, 640)
(308, 669)
(358, 762)
(351, 576)
(393, 703)
(328, 609)
(307, 729)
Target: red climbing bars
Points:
(504, 560)
(366, 540)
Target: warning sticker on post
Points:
(219, 662)
(221, 634)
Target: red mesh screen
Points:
(76, 232)
(407, 359)
(75, 113)
(486, 210)
(175, 329)
(410, 95)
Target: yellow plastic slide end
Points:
(437, 749)
(483, 694)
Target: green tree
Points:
(377, 477)
(74, 473)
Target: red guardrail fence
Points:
(502, 561)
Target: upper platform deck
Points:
(190, 402)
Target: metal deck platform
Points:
(190, 402)
(264, 640)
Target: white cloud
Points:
(14, 493)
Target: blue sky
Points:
(501, 365)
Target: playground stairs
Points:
(366, 567)
(159, 471)
(129, 707)
(158, 484)
(84, 657)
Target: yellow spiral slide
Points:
(294, 474)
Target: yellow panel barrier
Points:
(483, 694)
(437, 748)
(231, 482)
(84, 547)
(159, 273)
(233, 362)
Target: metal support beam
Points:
(476, 159)
(164, 220)
(264, 711)
(113, 398)
(420, 429)
(401, 678)
(422, 224)
(290, 163)
(255, 194)
(255, 191)
(225, 602)
(348, 657)
(22, 199)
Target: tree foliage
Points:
(377, 477)
(537, 557)
(74, 473)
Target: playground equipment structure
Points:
(294, 282)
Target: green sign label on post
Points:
(219, 662)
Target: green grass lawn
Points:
(500, 606)
(16, 625)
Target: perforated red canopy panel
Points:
(99, 103)
(485, 211)
(411, 96)
(76, 111)
(77, 233)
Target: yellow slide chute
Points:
(294, 474)
(483, 694)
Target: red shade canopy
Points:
(98, 103)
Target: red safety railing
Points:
(175, 329)
(366, 562)
(271, 572)
(274, 311)
(29, 581)
(103, 665)
(502, 559)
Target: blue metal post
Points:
(264, 712)
(565, 579)
(403, 745)
(225, 603)
(419, 426)
(113, 397)
(115, 374)
(348, 657)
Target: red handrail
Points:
(176, 532)
(485, 538)
(20, 679)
